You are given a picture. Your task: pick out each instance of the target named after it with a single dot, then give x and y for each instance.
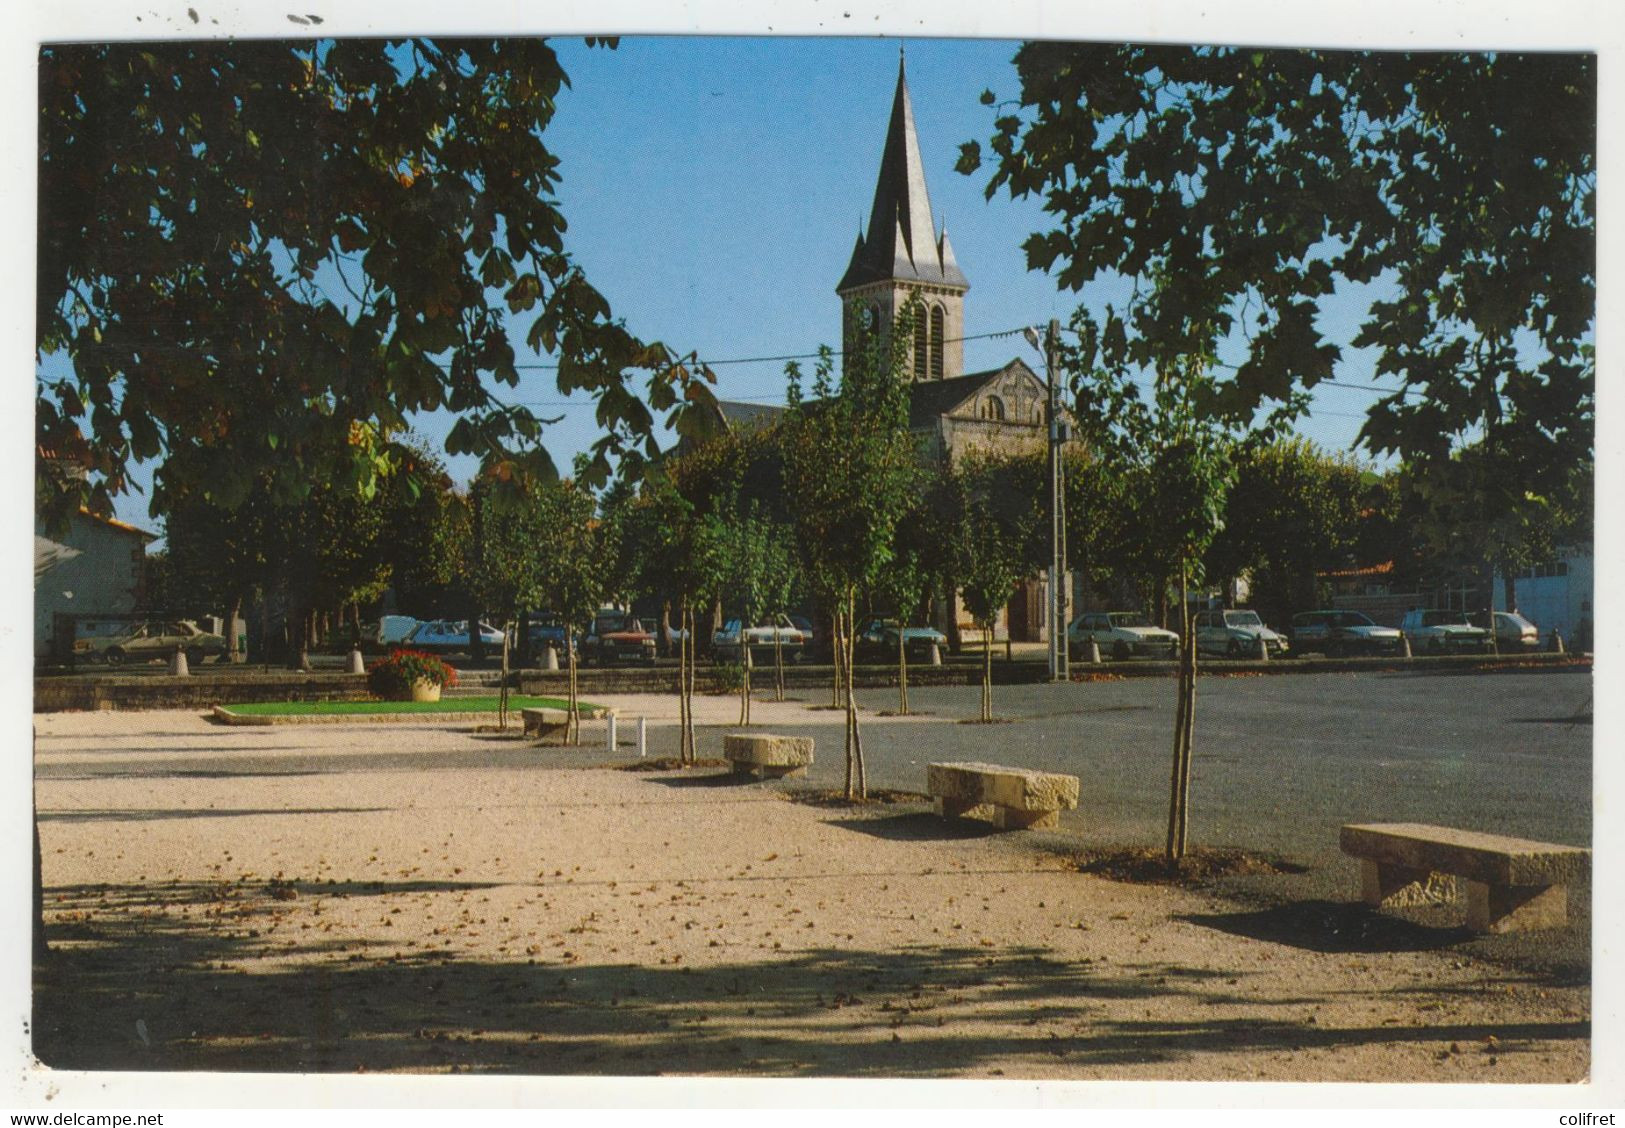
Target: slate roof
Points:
(929, 400)
(902, 242)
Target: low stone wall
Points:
(200, 691)
(204, 690)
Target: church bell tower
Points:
(902, 255)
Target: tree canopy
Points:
(265, 254)
(1234, 190)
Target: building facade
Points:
(904, 261)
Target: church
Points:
(903, 255)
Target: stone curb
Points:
(224, 714)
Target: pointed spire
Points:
(900, 243)
(945, 255)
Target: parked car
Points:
(728, 644)
(393, 629)
(1119, 634)
(878, 640)
(152, 639)
(449, 636)
(814, 637)
(618, 636)
(1235, 634)
(1439, 631)
(546, 632)
(1512, 630)
(1335, 633)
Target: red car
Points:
(617, 637)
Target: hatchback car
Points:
(1439, 631)
(1119, 635)
(1336, 633)
(155, 638)
(617, 636)
(878, 640)
(1235, 634)
(1512, 630)
(449, 636)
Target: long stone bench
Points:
(1012, 798)
(1513, 884)
(765, 756)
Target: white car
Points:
(1235, 634)
(728, 644)
(1119, 634)
(444, 636)
(1439, 631)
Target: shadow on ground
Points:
(917, 826)
(130, 988)
(1332, 926)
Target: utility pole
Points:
(1059, 665)
(1055, 612)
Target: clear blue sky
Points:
(714, 186)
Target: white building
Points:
(1555, 595)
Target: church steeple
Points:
(902, 256)
(901, 242)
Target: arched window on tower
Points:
(922, 348)
(938, 319)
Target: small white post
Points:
(936, 655)
(609, 733)
(643, 737)
(357, 664)
(1557, 642)
(1094, 653)
(1263, 649)
(1405, 640)
(177, 664)
(550, 660)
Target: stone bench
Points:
(1513, 884)
(1012, 798)
(766, 756)
(543, 722)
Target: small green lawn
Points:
(516, 702)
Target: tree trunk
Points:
(987, 671)
(1184, 734)
(682, 681)
(502, 690)
(526, 658)
(572, 718)
(233, 648)
(778, 664)
(856, 781)
(836, 655)
(744, 675)
(1509, 588)
(902, 673)
(693, 668)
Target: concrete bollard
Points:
(1557, 642)
(550, 658)
(357, 664)
(936, 655)
(1263, 649)
(1094, 653)
(177, 665)
(610, 734)
(643, 737)
(1405, 642)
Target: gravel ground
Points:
(412, 898)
